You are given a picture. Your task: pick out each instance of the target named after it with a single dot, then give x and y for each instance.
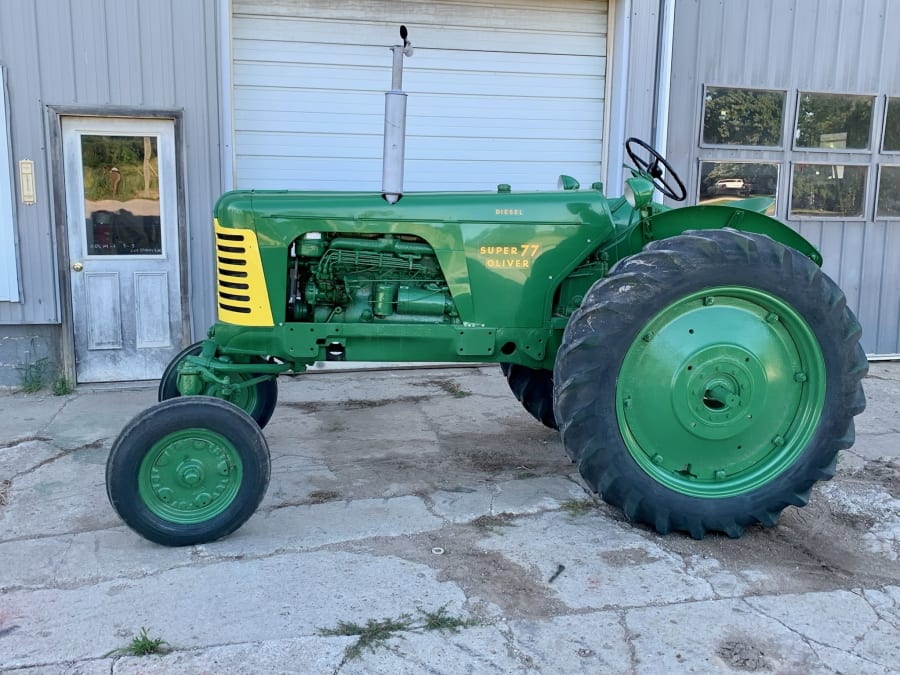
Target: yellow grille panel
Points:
(242, 296)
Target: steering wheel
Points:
(652, 169)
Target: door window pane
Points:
(752, 117)
(833, 121)
(121, 195)
(892, 126)
(722, 182)
(889, 192)
(828, 191)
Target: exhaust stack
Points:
(395, 125)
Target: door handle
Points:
(78, 266)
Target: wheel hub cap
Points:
(721, 391)
(190, 476)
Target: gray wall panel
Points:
(120, 49)
(159, 55)
(839, 46)
(89, 39)
(34, 228)
(642, 70)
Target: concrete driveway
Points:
(420, 521)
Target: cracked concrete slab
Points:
(221, 602)
(612, 567)
(400, 492)
(765, 634)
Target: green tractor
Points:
(702, 370)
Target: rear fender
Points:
(743, 215)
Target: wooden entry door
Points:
(122, 213)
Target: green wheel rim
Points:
(190, 476)
(720, 392)
(245, 398)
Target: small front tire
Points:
(187, 471)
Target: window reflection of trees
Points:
(889, 192)
(828, 191)
(892, 126)
(835, 121)
(743, 117)
(121, 195)
(120, 167)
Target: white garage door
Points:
(499, 92)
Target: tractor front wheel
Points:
(258, 400)
(709, 381)
(188, 471)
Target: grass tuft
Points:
(375, 633)
(32, 374)
(440, 620)
(141, 645)
(578, 507)
(62, 386)
(452, 388)
(489, 523)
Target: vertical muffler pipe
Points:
(395, 126)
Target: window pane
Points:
(889, 192)
(892, 126)
(722, 182)
(828, 191)
(121, 195)
(835, 121)
(743, 117)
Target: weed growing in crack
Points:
(488, 523)
(375, 633)
(321, 497)
(449, 386)
(5, 485)
(32, 374)
(578, 507)
(440, 620)
(141, 645)
(62, 386)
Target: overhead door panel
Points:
(501, 92)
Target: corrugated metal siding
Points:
(840, 46)
(151, 55)
(498, 92)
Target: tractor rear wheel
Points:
(709, 381)
(257, 401)
(534, 390)
(188, 471)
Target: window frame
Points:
(875, 214)
(869, 149)
(866, 198)
(165, 245)
(9, 269)
(776, 163)
(884, 120)
(734, 146)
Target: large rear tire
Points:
(534, 390)
(188, 471)
(709, 381)
(257, 401)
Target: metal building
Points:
(111, 130)
(121, 123)
(800, 99)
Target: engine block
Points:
(345, 278)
